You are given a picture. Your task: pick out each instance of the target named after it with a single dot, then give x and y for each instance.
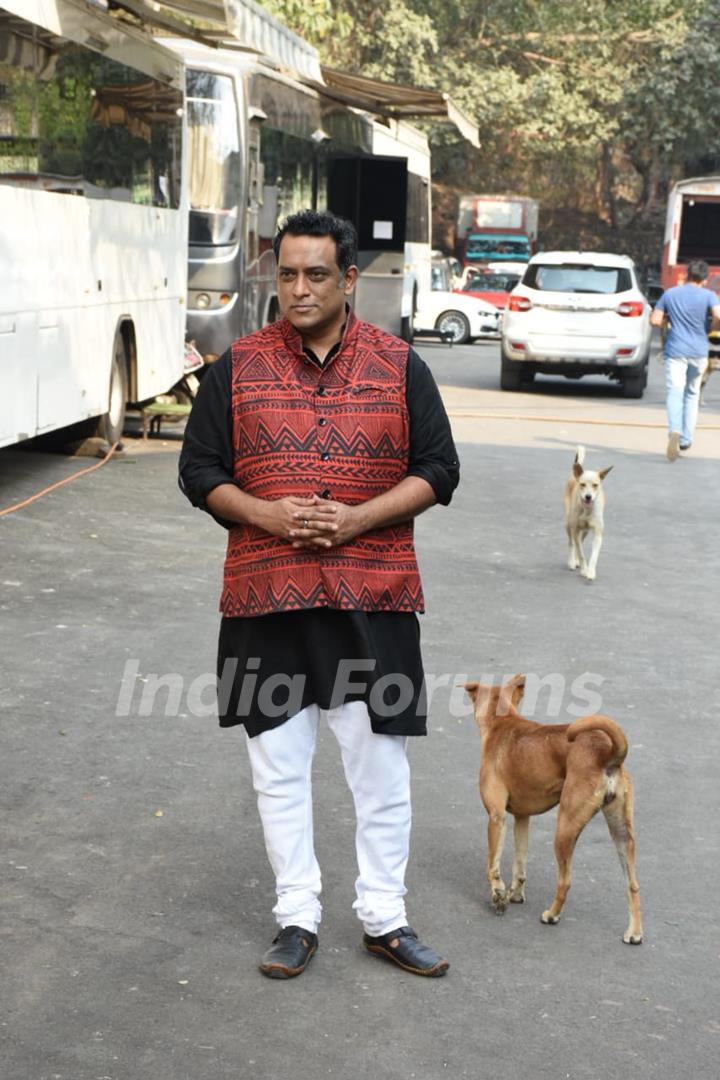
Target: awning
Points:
(243, 21)
(398, 102)
(253, 26)
(153, 16)
(250, 27)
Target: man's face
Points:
(311, 288)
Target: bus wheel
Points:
(407, 323)
(110, 425)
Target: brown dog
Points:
(528, 768)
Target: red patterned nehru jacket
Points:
(340, 432)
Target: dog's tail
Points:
(609, 727)
(579, 455)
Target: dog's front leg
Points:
(519, 871)
(497, 823)
(580, 535)
(573, 559)
(590, 570)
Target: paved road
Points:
(135, 895)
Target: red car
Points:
(493, 286)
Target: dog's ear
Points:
(602, 473)
(516, 686)
(472, 689)
(510, 694)
(577, 470)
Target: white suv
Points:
(577, 313)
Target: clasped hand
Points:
(316, 522)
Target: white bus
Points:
(262, 145)
(93, 218)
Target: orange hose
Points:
(60, 483)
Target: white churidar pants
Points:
(378, 775)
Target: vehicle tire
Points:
(511, 373)
(455, 323)
(635, 381)
(110, 425)
(407, 324)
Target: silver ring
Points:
(306, 523)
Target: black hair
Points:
(698, 270)
(322, 223)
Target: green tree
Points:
(593, 106)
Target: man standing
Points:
(316, 441)
(687, 308)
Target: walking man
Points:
(687, 308)
(316, 441)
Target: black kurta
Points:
(272, 666)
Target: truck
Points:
(692, 231)
(496, 229)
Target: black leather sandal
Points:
(403, 947)
(290, 954)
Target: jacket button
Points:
(325, 456)
(321, 391)
(322, 421)
(326, 494)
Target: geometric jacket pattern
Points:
(341, 432)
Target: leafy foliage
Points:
(595, 105)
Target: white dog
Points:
(584, 504)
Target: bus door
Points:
(372, 192)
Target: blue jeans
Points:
(682, 386)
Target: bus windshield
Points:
(214, 158)
(498, 248)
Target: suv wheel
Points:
(635, 381)
(511, 372)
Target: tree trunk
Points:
(605, 186)
(650, 171)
